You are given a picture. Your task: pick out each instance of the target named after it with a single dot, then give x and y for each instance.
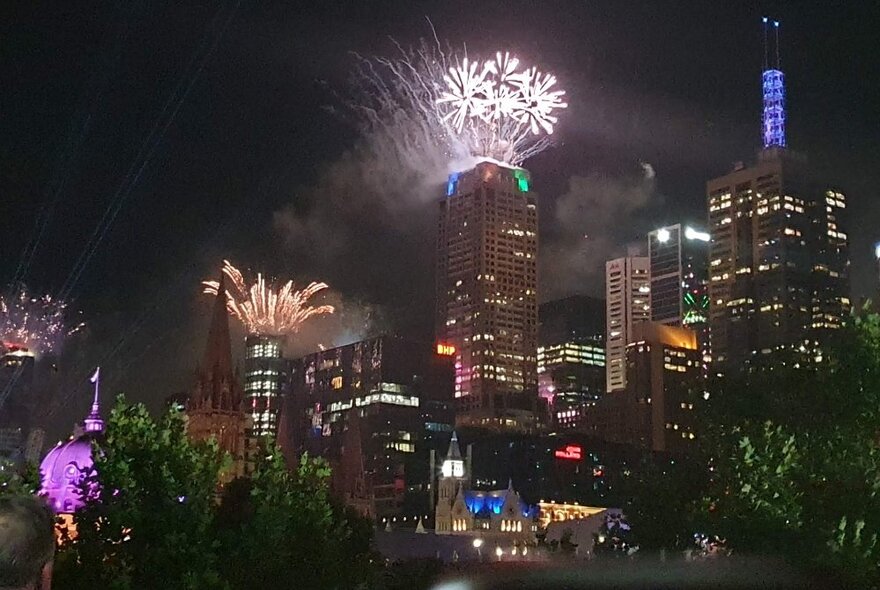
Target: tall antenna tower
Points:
(773, 85)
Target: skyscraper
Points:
(571, 358)
(262, 382)
(679, 257)
(627, 301)
(487, 293)
(779, 265)
(664, 374)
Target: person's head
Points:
(27, 543)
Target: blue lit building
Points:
(779, 252)
(494, 513)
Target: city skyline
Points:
(127, 302)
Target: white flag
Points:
(94, 378)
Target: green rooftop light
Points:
(521, 180)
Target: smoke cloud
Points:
(592, 222)
(367, 228)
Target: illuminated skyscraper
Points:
(627, 301)
(486, 292)
(262, 383)
(779, 263)
(679, 257)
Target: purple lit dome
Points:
(66, 465)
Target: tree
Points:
(293, 531)
(664, 495)
(18, 481)
(149, 507)
(795, 460)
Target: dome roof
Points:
(66, 465)
(62, 471)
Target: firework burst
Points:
(265, 310)
(33, 323)
(430, 100)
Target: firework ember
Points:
(265, 310)
(428, 98)
(36, 324)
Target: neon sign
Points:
(571, 452)
(445, 349)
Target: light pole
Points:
(478, 543)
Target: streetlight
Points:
(478, 543)
(499, 552)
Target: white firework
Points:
(469, 92)
(537, 101)
(496, 90)
(432, 108)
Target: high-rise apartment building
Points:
(627, 302)
(487, 293)
(679, 256)
(779, 265)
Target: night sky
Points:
(249, 140)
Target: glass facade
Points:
(262, 383)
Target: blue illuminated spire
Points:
(773, 86)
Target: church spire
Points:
(93, 422)
(454, 450)
(218, 352)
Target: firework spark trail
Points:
(427, 100)
(264, 310)
(35, 323)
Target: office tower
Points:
(383, 396)
(627, 302)
(214, 409)
(262, 382)
(571, 358)
(779, 265)
(664, 386)
(679, 256)
(487, 293)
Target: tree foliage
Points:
(149, 507)
(292, 531)
(797, 461)
(18, 480)
(156, 517)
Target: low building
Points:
(495, 513)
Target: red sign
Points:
(445, 349)
(573, 452)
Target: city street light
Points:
(499, 552)
(478, 543)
